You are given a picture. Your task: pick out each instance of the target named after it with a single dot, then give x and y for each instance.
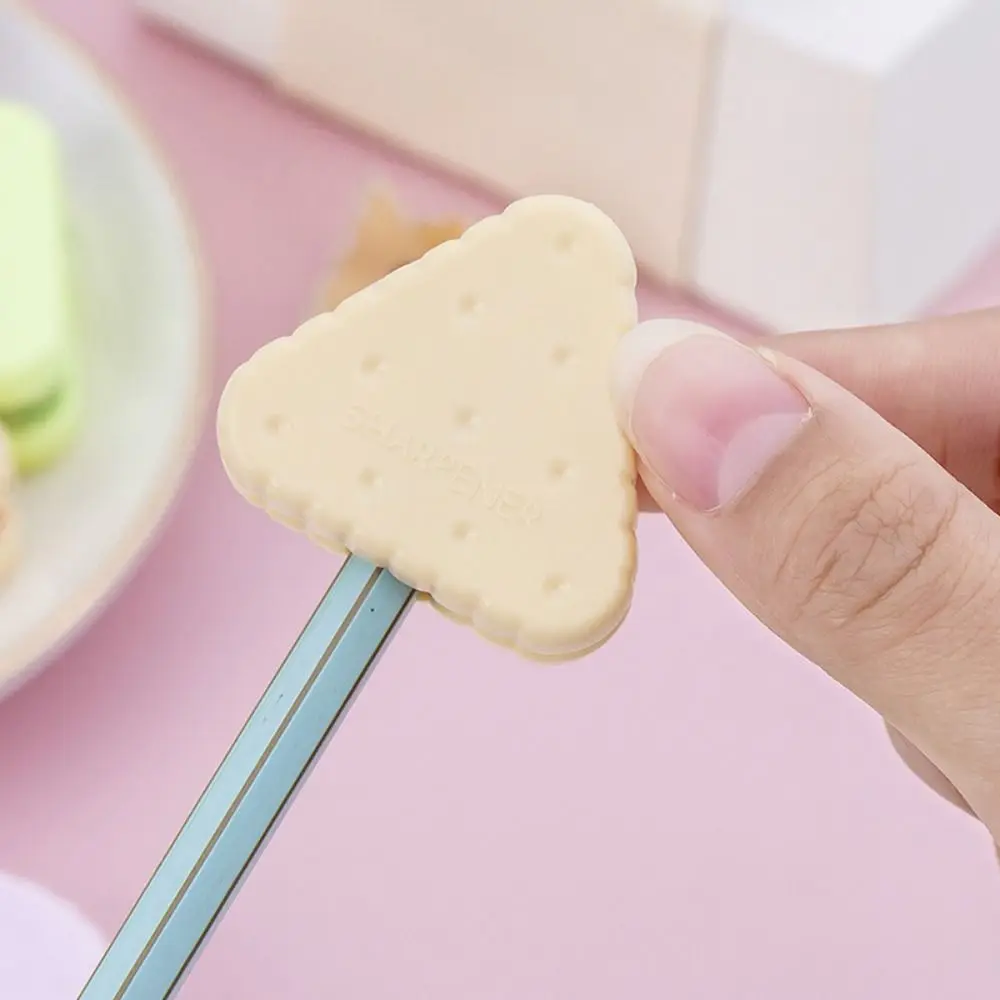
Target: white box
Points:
(248, 31)
(526, 96)
(853, 157)
(806, 162)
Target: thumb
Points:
(834, 528)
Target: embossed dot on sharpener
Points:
(461, 531)
(562, 355)
(554, 585)
(470, 304)
(274, 423)
(558, 469)
(368, 478)
(465, 416)
(565, 242)
(371, 365)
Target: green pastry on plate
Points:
(39, 370)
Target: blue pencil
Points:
(227, 829)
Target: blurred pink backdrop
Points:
(694, 811)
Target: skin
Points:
(939, 383)
(877, 559)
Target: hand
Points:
(846, 490)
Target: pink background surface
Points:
(693, 811)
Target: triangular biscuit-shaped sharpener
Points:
(452, 422)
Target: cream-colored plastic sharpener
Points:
(453, 423)
(805, 162)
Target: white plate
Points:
(142, 321)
